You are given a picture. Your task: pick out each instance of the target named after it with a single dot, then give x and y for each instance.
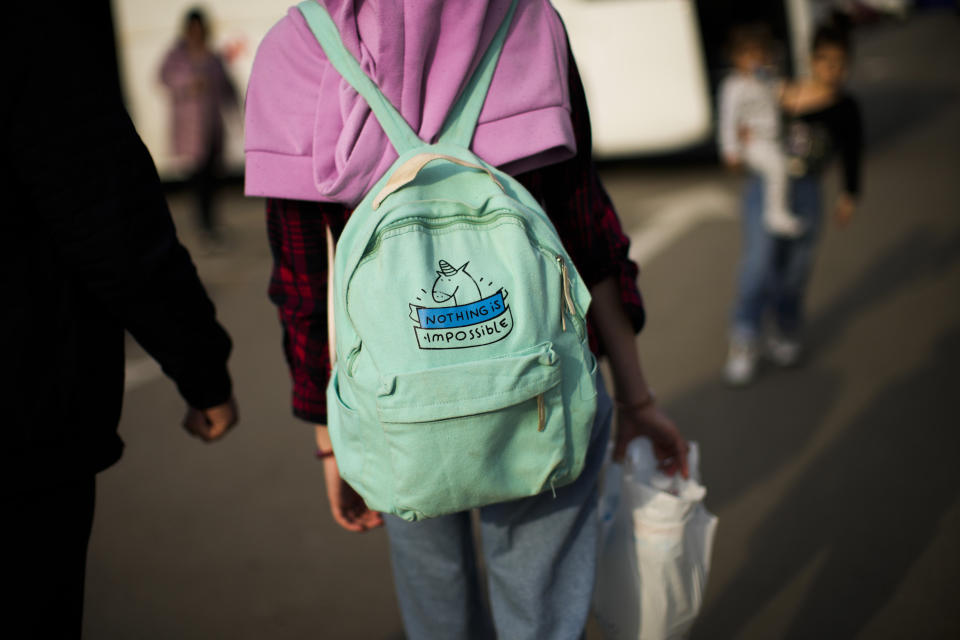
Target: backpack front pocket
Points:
(472, 434)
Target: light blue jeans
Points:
(540, 555)
(774, 271)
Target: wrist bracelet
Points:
(321, 454)
(637, 406)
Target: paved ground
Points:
(838, 500)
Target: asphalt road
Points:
(835, 484)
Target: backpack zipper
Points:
(566, 302)
(541, 413)
(434, 224)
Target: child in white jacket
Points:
(749, 127)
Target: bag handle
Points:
(462, 120)
(408, 171)
(401, 136)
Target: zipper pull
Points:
(563, 287)
(567, 296)
(541, 413)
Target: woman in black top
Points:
(823, 121)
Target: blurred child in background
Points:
(749, 127)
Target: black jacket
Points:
(87, 249)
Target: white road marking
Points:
(677, 213)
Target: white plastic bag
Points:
(656, 539)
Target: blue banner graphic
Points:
(461, 315)
(475, 335)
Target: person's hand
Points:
(211, 424)
(669, 446)
(348, 508)
(844, 209)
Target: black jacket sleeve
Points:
(76, 157)
(850, 133)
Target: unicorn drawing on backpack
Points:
(455, 287)
(466, 317)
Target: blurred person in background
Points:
(87, 250)
(200, 90)
(822, 121)
(749, 102)
(314, 149)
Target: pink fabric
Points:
(309, 136)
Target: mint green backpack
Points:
(462, 373)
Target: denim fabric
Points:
(774, 271)
(540, 555)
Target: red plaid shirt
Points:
(571, 194)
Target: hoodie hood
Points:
(310, 136)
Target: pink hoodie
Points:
(309, 136)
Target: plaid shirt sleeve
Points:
(573, 197)
(298, 286)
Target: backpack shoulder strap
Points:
(462, 119)
(321, 24)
